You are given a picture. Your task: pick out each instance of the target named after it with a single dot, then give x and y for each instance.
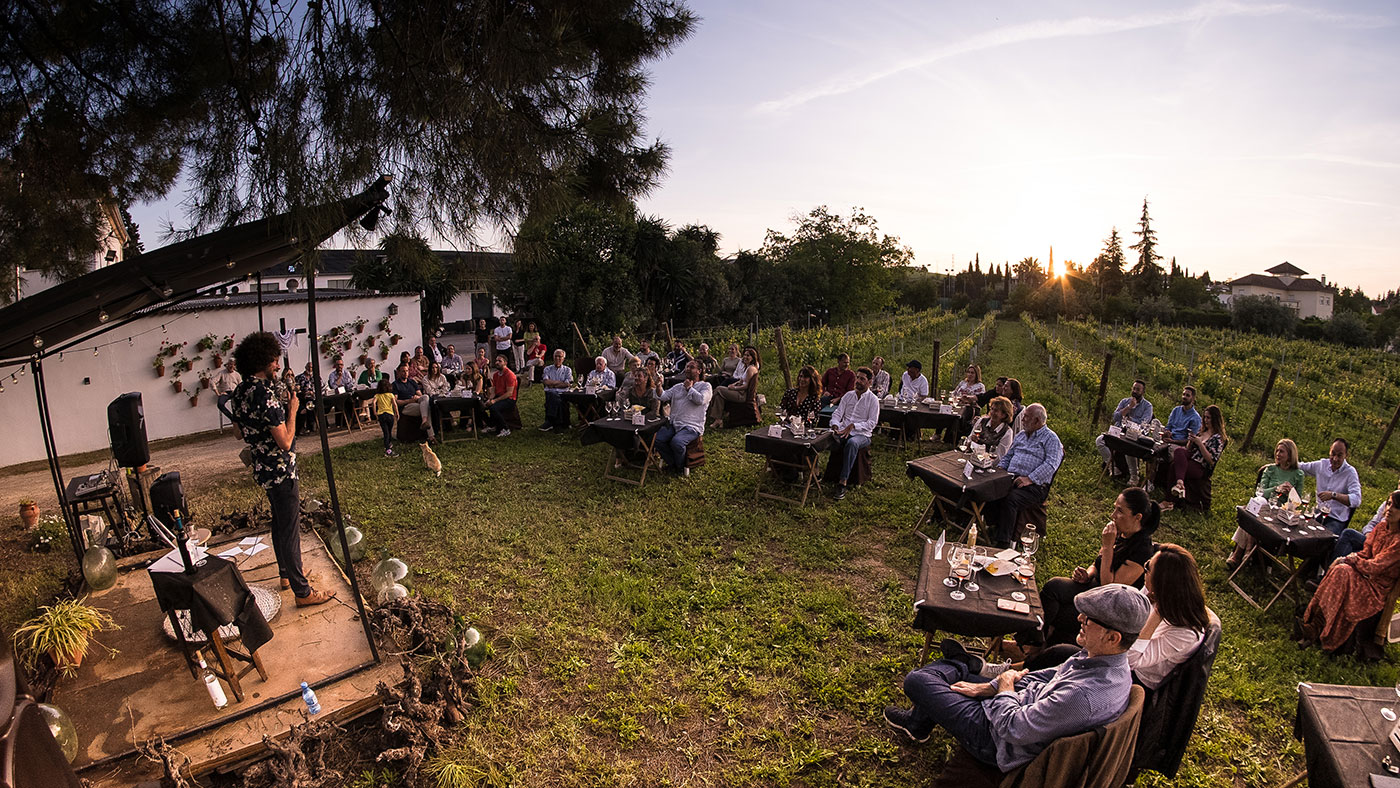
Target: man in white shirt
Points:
(689, 401)
(617, 356)
(502, 335)
(224, 383)
(452, 363)
(601, 377)
(557, 377)
(853, 423)
(340, 377)
(880, 384)
(913, 386)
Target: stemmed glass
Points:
(1030, 542)
(1389, 714)
(971, 584)
(952, 562)
(962, 569)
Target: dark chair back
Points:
(1169, 715)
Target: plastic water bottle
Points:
(309, 695)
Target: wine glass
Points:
(962, 570)
(971, 584)
(1389, 714)
(952, 562)
(1030, 542)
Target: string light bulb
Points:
(102, 316)
(94, 352)
(38, 341)
(162, 328)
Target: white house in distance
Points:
(1288, 284)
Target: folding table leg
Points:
(927, 516)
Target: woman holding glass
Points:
(1276, 480)
(1125, 546)
(993, 430)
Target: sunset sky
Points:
(1258, 132)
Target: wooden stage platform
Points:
(146, 691)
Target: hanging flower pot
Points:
(160, 370)
(29, 513)
(394, 340)
(360, 326)
(179, 385)
(204, 383)
(218, 360)
(194, 401)
(384, 353)
(364, 359)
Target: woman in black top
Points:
(806, 396)
(483, 336)
(1126, 543)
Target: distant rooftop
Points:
(1295, 285)
(1287, 269)
(339, 262)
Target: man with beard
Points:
(853, 423)
(689, 401)
(1136, 409)
(1184, 420)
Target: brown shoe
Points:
(315, 598)
(286, 584)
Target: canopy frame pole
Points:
(41, 395)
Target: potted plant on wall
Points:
(63, 631)
(360, 324)
(384, 324)
(194, 399)
(383, 351)
(204, 378)
(225, 345)
(159, 366)
(29, 513)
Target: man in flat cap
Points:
(1005, 722)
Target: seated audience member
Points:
(853, 422)
(502, 397)
(536, 355)
(913, 386)
(435, 385)
(386, 412)
(677, 358)
(482, 360)
(1136, 409)
(1184, 420)
(1338, 486)
(689, 400)
(998, 389)
(1351, 539)
(1006, 722)
(709, 365)
(340, 377)
(372, 374)
(616, 356)
(729, 365)
(306, 394)
(1013, 393)
(1174, 630)
(1276, 480)
(1356, 586)
(1125, 544)
(406, 360)
(421, 361)
(1197, 458)
(451, 362)
(1034, 457)
(652, 367)
(634, 369)
(412, 401)
(471, 380)
(993, 431)
(738, 391)
(805, 397)
(501, 338)
(644, 388)
(601, 377)
(964, 397)
(881, 382)
(224, 385)
(557, 377)
(838, 380)
(645, 352)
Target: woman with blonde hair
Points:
(1276, 480)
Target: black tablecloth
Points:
(978, 614)
(1145, 449)
(918, 416)
(215, 595)
(621, 433)
(458, 404)
(1344, 735)
(788, 448)
(344, 403)
(1308, 539)
(944, 476)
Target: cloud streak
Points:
(1044, 30)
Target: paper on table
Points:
(247, 540)
(170, 562)
(231, 552)
(255, 549)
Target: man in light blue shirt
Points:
(1007, 721)
(1338, 486)
(853, 423)
(1184, 420)
(1136, 409)
(557, 377)
(689, 401)
(1035, 456)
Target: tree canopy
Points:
(482, 111)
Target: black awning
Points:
(172, 273)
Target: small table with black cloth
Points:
(976, 616)
(792, 452)
(910, 419)
(468, 408)
(215, 594)
(1343, 733)
(1149, 451)
(1277, 540)
(629, 442)
(589, 405)
(943, 474)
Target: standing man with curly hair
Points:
(269, 426)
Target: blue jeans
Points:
(498, 410)
(851, 446)
(556, 411)
(285, 501)
(1350, 541)
(671, 444)
(221, 402)
(935, 703)
(1334, 525)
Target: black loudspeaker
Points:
(126, 424)
(167, 495)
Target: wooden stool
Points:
(741, 414)
(860, 472)
(695, 452)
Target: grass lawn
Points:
(686, 634)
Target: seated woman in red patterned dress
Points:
(1356, 585)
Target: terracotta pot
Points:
(360, 328)
(218, 360)
(364, 359)
(29, 515)
(179, 385)
(76, 660)
(160, 371)
(384, 354)
(194, 401)
(204, 383)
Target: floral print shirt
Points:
(257, 408)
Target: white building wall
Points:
(81, 385)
